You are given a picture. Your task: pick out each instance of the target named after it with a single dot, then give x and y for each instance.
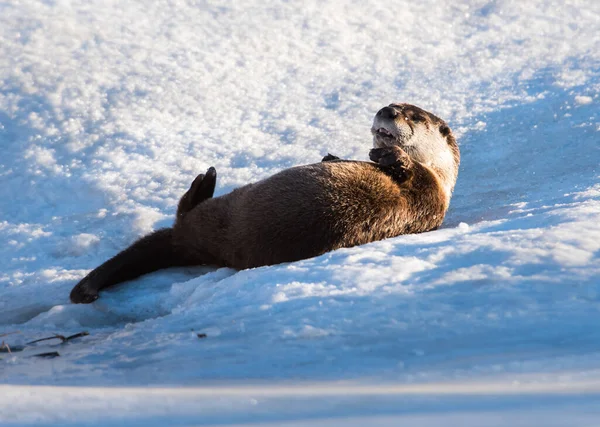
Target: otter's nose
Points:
(387, 113)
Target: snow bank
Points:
(109, 109)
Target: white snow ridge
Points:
(109, 109)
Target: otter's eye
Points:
(417, 118)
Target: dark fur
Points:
(202, 188)
(297, 213)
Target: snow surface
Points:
(109, 109)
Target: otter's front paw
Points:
(83, 294)
(330, 157)
(390, 156)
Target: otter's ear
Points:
(444, 130)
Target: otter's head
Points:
(425, 137)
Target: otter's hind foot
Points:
(202, 188)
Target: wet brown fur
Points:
(332, 205)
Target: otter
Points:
(304, 211)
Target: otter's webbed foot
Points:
(201, 189)
(330, 157)
(394, 161)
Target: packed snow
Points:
(109, 109)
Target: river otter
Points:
(304, 211)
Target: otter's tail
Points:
(152, 252)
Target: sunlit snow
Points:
(109, 109)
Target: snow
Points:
(583, 100)
(108, 110)
(318, 404)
